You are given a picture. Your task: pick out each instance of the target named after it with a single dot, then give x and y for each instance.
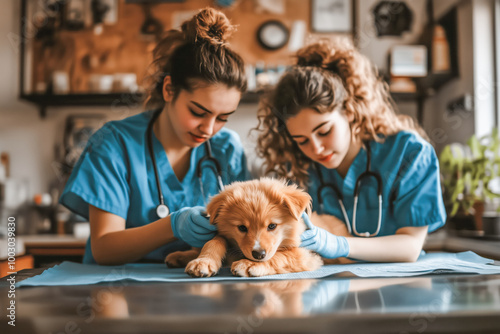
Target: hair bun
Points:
(208, 25)
(317, 54)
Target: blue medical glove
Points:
(323, 242)
(192, 226)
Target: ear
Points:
(296, 201)
(168, 93)
(214, 206)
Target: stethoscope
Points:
(162, 209)
(368, 173)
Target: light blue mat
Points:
(69, 273)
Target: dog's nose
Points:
(259, 255)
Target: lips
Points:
(198, 139)
(325, 158)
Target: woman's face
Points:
(198, 115)
(324, 138)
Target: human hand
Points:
(323, 242)
(192, 226)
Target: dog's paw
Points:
(247, 268)
(202, 267)
(180, 259)
(315, 262)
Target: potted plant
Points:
(470, 178)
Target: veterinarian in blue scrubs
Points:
(329, 126)
(198, 82)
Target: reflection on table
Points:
(415, 304)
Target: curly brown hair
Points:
(329, 76)
(197, 54)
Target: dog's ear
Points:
(214, 206)
(296, 201)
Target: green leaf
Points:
(475, 147)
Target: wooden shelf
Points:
(427, 86)
(111, 100)
(433, 81)
(404, 97)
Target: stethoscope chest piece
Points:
(162, 210)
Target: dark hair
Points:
(196, 54)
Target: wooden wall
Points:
(121, 48)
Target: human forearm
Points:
(131, 244)
(404, 246)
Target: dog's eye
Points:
(242, 228)
(271, 227)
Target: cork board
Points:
(121, 48)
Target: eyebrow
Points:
(316, 128)
(208, 111)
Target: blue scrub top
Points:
(115, 173)
(411, 188)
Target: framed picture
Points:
(332, 15)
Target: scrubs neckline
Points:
(357, 167)
(164, 164)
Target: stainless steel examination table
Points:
(423, 304)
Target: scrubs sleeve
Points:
(99, 177)
(418, 198)
(237, 160)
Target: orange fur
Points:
(259, 250)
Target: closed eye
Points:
(203, 114)
(325, 133)
(195, 114)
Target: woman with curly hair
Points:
(136, 171)
(329, 125)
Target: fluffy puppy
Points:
(259, 226)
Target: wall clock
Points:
(273, 35)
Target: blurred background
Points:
(68, 66)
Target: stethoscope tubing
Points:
(162, 209)
(368, 173)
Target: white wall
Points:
(475, 55)
(484, 76)
(377, 47)
(443, 128)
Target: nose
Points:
(317, 146)
(207, 126)
(259, 254)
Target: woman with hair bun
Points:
(330, 126)
(142, 182)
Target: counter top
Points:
(26, 242)
(441, 241)
(52, 240)
(425, 304)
